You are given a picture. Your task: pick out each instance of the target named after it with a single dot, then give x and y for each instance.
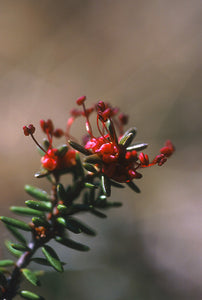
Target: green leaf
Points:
(38, 205)
(43, 261)
(72, 244)
(3, 280)
(16, 234)
(83, 227)
(31, 277)
(6, 263)
(62, 150)
(21, 210)
(90, 168)
(52, 258)
(19, 247)
(137, 147)
(133, 186)
(30, 296)
(42, 173)
(13, 251)
(37, 193)
(116, 184)
(128, 136)
(16, 223)
(79, 167)
(63, 208)
(79, 148)
(61, 192)
(90, 185)
(112, 131)
(98, 213)
(93, 159)
(40, 222)
(69, 224)
(106, 186)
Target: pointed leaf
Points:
(98, 213)
(22, 210)
(106, 185)
(30, 296)
(137, 147)
(84, 228)
(90, 185)
(63, 208)
(16, 234)
(61, 192)
(128, 136)
(133, 186)
(31, 277)
(69, 224)
(90, 168)
(52, 258)
(6, 263)
(42, 173)
(72, 244)
(19, 247)
(16, 223)
(37, 193)
(38, 221)
(43, 261)
(13, 251)
(79, 148)
(62, 150)
(112, 131)
(93, 159)
(116, 184)
(38, 205)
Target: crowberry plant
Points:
(111, 159)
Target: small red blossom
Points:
(81, 100)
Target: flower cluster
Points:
(54, 158)
(112, 155)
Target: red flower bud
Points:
(47, 126)
(28, 130)
(81, 100)
(144, 159)
(58, 132)
(123, 119)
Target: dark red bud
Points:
(58, 132)
(100, 106)
(123, 119)
(28, 130)
(81, 100)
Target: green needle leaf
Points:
(30, 296)
(69, 224)
(38, 221)
(98, 213)
(72, 244)
(133, 186)
(21, 210)
(137, 147)
(31, 277)
(19, 247)
(6, 263)
(61, 192)
(79, 148)
(106, 186)
(83, 227)
(16, 223)
(38, 205)
(52, 258)
(37, 193)
(16, 234)
(62, 150)
(128, 136)
(13, 251)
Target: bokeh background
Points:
(145, 57)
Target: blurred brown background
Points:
(145, 57)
